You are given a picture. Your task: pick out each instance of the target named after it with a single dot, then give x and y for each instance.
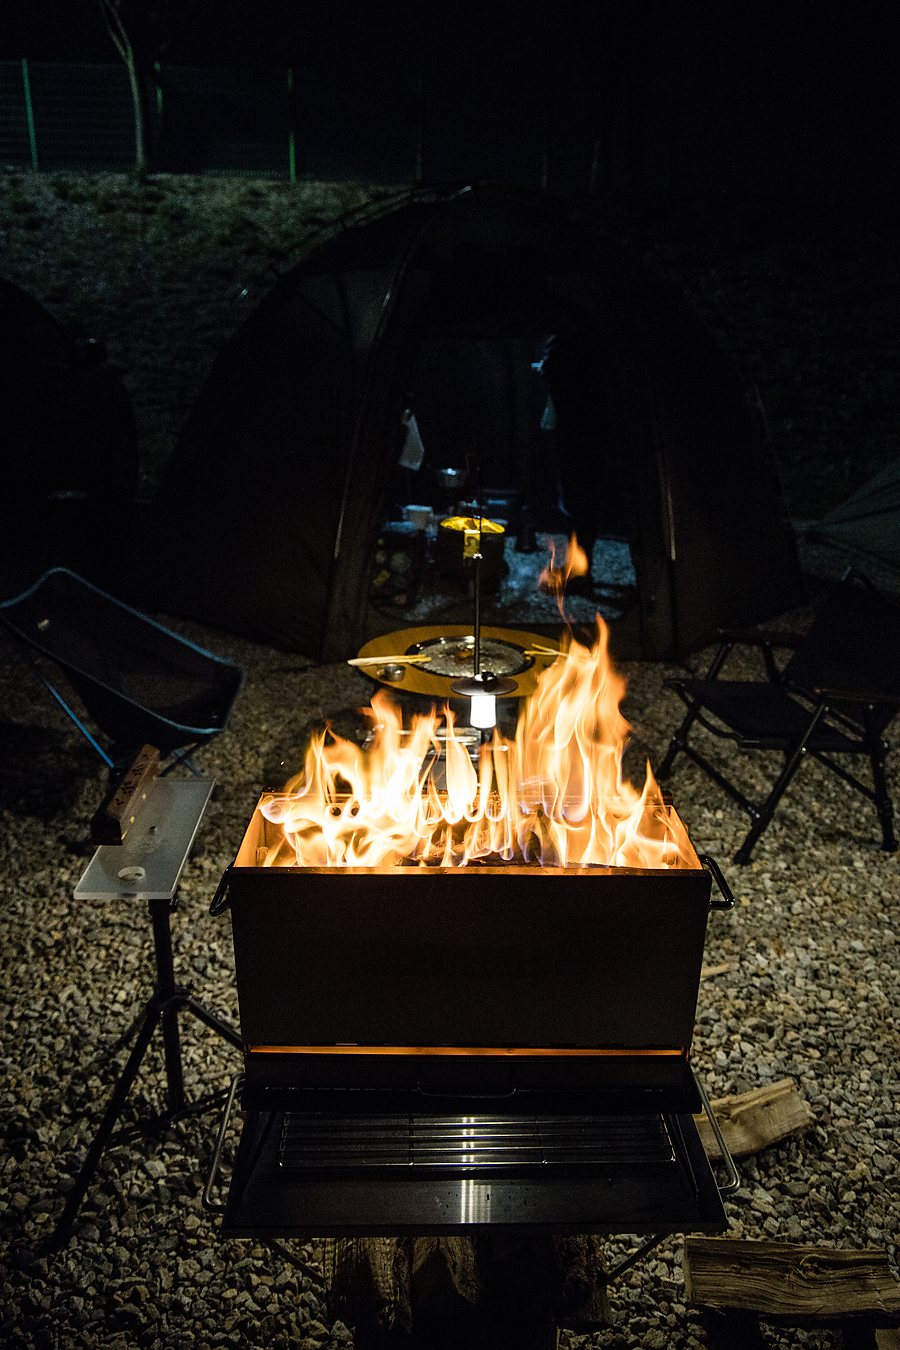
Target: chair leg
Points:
(792, 761)
(767, 810)
(679, 740)
(676, 744)
(883, 804)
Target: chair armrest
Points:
(856, 695)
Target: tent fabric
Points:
(868, 521)
(69, 445)
(285, 459)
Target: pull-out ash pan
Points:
(429, 1049)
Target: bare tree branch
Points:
(141, 30)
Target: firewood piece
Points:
(707, 972)
(584, 1288)
(369, 1286)
(787, 1282)
(751, 1121)
(491, 1292)
(445, 1279)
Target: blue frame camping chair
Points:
(835, 697)
(139, 682)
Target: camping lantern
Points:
(481, 690)
(460, 536)
(483, 711)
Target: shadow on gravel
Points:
(43, 771)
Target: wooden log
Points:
(584, 1286)
(791, 1283)
(446, 1283)
(368, 1287)
(496, 1292)
(751, 1121)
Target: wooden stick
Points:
(386, 660)
(429, 656)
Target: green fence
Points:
(375, 124)
(58, 116)
(81, 117)
(260, 124)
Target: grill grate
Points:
(471, 1143)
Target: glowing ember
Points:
(555, 795)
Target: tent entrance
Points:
(485, 435)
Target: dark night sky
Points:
(778, 93)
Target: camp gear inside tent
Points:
(274, 505)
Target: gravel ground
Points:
(811, 991)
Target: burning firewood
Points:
(554, 794)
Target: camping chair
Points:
(139, 682)
(835, 696)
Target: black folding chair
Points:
(139, 682)
(835, 696)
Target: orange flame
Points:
(553, 580)
(554, 795)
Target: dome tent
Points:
(69, 445)
(269, 510)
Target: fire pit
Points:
(430, 949)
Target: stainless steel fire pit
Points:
(429, 1048)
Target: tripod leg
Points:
(128, 1035)
(883, 804)
(175, 1098)
(170, 999)
(214, 1023)
(63, 1228)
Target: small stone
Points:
(655, 1340)
(795, 1188)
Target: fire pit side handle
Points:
(727, 901)
(219, 902)
(734, 1181)
(209, 1203)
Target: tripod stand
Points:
(153, 860)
